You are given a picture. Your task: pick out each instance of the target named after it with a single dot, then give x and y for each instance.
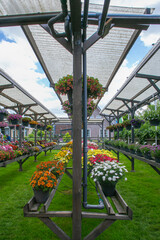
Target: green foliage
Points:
(66, 137)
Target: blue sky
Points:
(20, 62)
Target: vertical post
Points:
(45, 137)
(156, 126)
(20, 128)
(132, 137)
(117, 122)
(109, 130)
(132, 128)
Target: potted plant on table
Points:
(155, 153)
(146, 151)
(108, 174)
(3, 113)
(14, 118)
(42, 183)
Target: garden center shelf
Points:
(152, 163)
(115, 208)
(20, 160)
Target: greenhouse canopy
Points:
(141, 87)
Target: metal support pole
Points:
(77, 124)
(85, 149)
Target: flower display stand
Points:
(22, 159)
(131, 156)
(115, 208)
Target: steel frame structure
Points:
(77, 44)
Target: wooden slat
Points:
(105, 200)
(47, 203)
(118, 206)
(35, 207)
(105, 216)
(121, 200)
(54, 228)
(47, 214)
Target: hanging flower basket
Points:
(3, 113)
(65, 86)
(33, 123)
(25, 124)
(25, 121)
(154, 122)
(49, 128)
(90, 107)
(3, 125)
(128, 127)
(136, 123)
(14, 118)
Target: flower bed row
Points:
(148, 151)
(12, 150)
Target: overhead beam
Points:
(7, 86)
(103, 17)
(140, 75)
(67, 45)
(42, 18)
(126, 99)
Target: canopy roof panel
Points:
(142, 86)
(14, 97)
(8, 7)
(103, 58)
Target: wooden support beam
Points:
(99, 229)
(54, 228)
(69, 174)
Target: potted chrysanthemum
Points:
(108, 173)
(42, 183)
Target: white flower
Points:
(125, 179)
(103, 178)
(112, 171)
(109, 179)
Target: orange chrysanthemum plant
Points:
(43, 180)
(56, 167)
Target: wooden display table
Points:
(115, 208)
